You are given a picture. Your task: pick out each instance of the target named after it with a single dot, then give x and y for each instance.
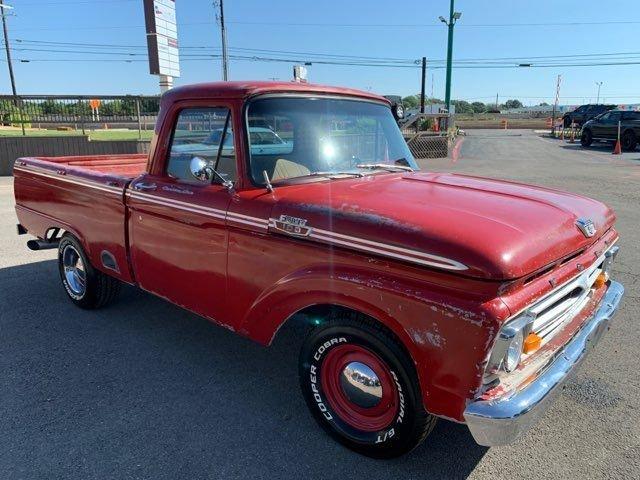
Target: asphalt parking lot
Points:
(145, 390)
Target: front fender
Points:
(447, 333)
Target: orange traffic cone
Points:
(617, 150)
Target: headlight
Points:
(514, 352)
(509, 345)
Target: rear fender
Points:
(39, 225)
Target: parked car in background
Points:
(584, 113)
(605, 128)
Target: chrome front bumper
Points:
(503, 420)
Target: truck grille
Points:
(558, 308)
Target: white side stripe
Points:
(386, 246)
(383, 249)
(190, 207)
(74, 181)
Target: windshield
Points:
(313, 136)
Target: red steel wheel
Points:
(359, 387)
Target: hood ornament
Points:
(586, 226)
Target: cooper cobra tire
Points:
(87, 287)
(385, 418)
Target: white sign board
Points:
(162, 37)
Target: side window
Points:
(205, 133)
(613, 117)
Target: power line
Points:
(436, 25)
(506, 60)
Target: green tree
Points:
(462, 106)
(509, 104)
(478, 107)
(412, 101)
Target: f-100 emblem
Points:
(292, 226)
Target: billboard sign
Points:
(162, 37)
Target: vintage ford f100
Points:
(426, 295)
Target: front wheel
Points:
(87, 287)
(362, 389)
(587, 138)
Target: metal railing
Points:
(79, 112)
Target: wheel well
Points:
(308, 318)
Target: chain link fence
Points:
(78, 112)
(428, 145)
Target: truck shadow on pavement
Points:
(143, 389)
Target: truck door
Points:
(177, 225)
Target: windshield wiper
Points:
(385, 166)
(334, 174)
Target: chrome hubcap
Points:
(361, 385)
(74, 272)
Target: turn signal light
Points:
(601, 280)
(532, 343)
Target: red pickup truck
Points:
(425, 295)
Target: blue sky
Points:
(404, 29)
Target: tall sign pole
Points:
(162, 41)
(223, 32)
(6, 46)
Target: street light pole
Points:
(453, 17)
(599, 84)
(7, 48)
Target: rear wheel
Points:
(629, 141)
(361, 387)
(587, 138)
(86, 287)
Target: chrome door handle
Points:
(141, 187)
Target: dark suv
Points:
(605, 127)
(584, 113)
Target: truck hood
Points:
(474, 226)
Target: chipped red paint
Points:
(214, 253)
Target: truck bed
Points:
(81, 190)
(125, 166)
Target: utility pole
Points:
(223, 32)
(424, 80)
(555, 106)
(497, 101)
(453, 17)
(6, 46)
(599, 84)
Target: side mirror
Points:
(203, 172)
(200, 169)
